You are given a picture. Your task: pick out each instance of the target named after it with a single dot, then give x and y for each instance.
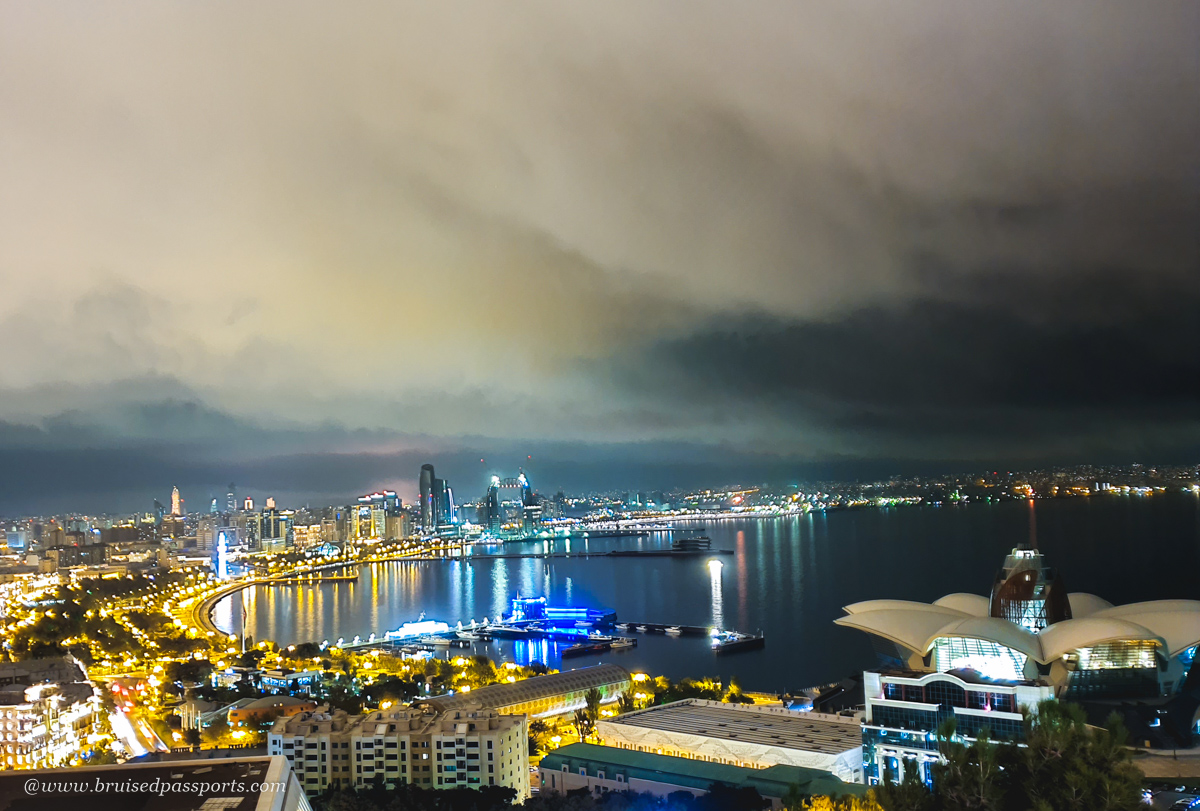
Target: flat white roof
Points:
(748, 724)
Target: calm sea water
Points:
(789, 578)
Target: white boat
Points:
(623, 642)
(642, 628)
(583, 624)
(623, 626)
(674, 630)
(468, 636)
(436, 641)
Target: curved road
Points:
(199, 615)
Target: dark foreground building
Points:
(236, 784)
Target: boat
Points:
(623, 626)
(508, 632)
(583, 624)
(469, 636)
(436, 641)
(642, 628)
(596, 636)
(586, 647)
(623, 642)
(697, 543)
(674, 630)
(734, 642)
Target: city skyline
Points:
(304, 257)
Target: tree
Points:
(968, 778)
(627, 701)
(582, 724)
(910, 794)
(592, 697)
(722, 797)
(539, 734)
(845, 803)
(1067, 765)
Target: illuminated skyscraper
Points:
(176, 502)
(231, 499)
(426, 499)
(370, 517)
(491, 507)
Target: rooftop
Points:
(418, 720)
(538, 687)
(773, 781)
(232, 782)
(33, 671)
(770, 726)
(273, 702)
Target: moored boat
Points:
(586, 647)
(733, 642)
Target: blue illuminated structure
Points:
(535, 608)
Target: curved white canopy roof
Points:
(1173, 624)
(1064, 637)
(1084, 604)
(896, 605)
(1177, 622)
(909, 628)
(974, 604)
(1155, 606)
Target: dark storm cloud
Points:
(1022, 365)
(286, 240)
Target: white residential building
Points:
(44, 725)
(467, 747)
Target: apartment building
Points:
(467, 747)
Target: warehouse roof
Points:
(769, 726)
(498, 696)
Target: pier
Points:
(632, 553)
(304, 580)
(658, 628)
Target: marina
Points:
(532, 619)
(772, 583)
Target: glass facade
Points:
(1121, 669)
(989, 659)
(1136, 654)
(897, 738)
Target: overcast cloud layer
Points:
(306, 246)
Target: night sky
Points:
(306, 247)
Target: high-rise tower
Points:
(428, 514)
(231, 499)
(176, 502)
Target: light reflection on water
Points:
(788, 577)
(718, 601)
